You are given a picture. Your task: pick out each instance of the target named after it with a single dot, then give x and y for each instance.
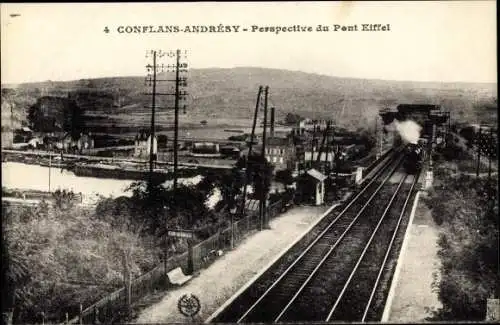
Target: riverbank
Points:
(27, 177)
(115, 168)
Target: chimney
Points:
(272, 122)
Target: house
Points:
(308, 124)
(85, 143)
(230, 151)
(36, 142)
(22, 135)
(308, 129)
(142, 144)
(7, 139)
(311, 152)
(51, 140)
(281, 153)
(67, 143)
(256, 150)
(205, 149)
(316, 181)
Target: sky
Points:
(444, 41)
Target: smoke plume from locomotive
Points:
(408, 130)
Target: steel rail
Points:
(389, 249)
(327, 255)
(379, 172)
(374, 232)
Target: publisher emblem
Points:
(189, 305)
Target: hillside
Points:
(230, 94)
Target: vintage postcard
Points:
(249, 162)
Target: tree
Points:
(156, 202)
(152, 199)
(241, 137)
(229, 184)
(63, 200)
(292, 119)
(162, 141)
(260, 171)
(15, 277)
(50, 114)
(285, 176)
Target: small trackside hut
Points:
(314, 182)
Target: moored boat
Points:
(118, 172)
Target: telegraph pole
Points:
(381, 141)
(153, 106)
(178, 95)
(376, 138)
(478, 143)
(323, 149)
(312, 144)
(50, 166)
(250, 145)
(176, 132)
(329, 142)
(263, 180)
(490, 153)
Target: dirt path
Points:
(214, 285)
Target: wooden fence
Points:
(114, 306)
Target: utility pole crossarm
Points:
(178, 95)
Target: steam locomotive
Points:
(413, 157)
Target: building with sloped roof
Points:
(281, 153)
(142, 144)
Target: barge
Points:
(137, 173)
(118, 172)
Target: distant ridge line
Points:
(263, 69)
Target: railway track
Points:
(362, 297)
(305, 283)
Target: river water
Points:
(32, 177)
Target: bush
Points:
(241, 137)
(292, 119)
(467, 210)
(284, 176)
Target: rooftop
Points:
(278, 141)
(316, 174)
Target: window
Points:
(274, 159)
(281, 160)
